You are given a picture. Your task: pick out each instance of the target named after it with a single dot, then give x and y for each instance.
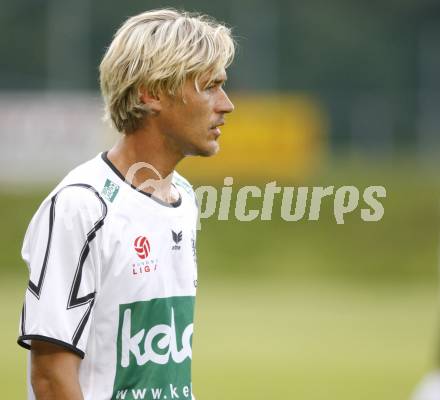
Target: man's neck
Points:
(147, 162)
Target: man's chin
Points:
(211, 152)
(208, 151)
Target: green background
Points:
(296, 310)
(306, 310)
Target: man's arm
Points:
(54, 372)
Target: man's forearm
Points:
(54, 372)
(56, 388)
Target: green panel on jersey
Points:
(110, 190)
(154, 349)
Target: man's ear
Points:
(153, 103)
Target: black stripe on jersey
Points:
(79, 330)
(35, 289)
(23, 318)
(22, 342)
(74, 300)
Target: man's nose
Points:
(225, 104)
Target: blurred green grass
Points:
(308, 340)
(311, 340)
(305, 310)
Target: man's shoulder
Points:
(82, 185)
(89, 172)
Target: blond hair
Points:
(157, 51)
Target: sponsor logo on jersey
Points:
(142, 247)
(154, 349)
(177, 238)
(140, 344)
(110, 190)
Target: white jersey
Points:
(113, 278)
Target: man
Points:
(108, 313)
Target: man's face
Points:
(191, 124)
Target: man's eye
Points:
(215, 85)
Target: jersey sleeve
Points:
(61, 249)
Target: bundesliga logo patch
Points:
(146, 263)
(142, 247)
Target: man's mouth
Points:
(216, 125)
(216, 129)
